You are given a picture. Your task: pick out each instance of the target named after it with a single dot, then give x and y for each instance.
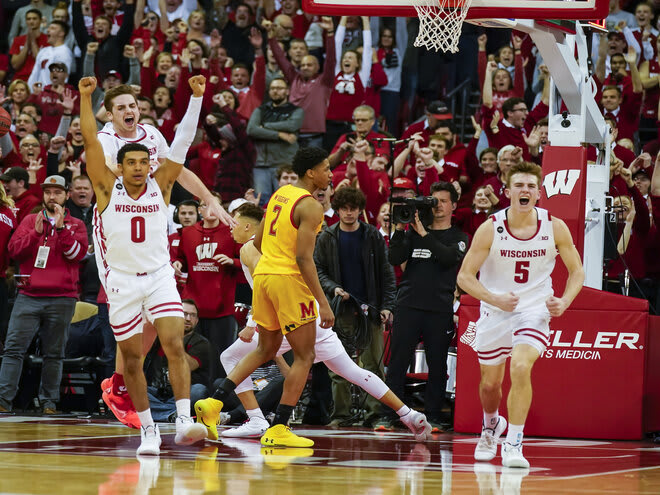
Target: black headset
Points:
(186, 202)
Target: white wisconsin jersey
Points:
(130, 235)
(146, 134)
(520, 266)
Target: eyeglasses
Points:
(30, 145)
(361, 120)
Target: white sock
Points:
(183, 407)
(255, 413)
(145, 418)
(490, 419)
(403, 411)
(515, 434)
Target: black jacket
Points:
(433, 261)
(380, 282)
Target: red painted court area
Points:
(91, 456)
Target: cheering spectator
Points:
(48, 246)
(24, 48)
(364, 118)
(50, 98)
(350, 83)
(56, 51)
(111, 47)
(20, 26)
(309, 90)
(234, 168)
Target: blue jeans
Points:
(51, 317)
(265, 182)
(162, 409)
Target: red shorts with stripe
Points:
(134, 297)
(498, 332)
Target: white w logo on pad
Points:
(205, 251)
(560, 182)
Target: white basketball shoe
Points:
(253, 427)
(487, 447)
(150, 440)
(512, 456)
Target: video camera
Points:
(404, 209)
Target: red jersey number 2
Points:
(277, 209)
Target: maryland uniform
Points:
(281, 298)
(521, 266)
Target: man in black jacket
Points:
(111, 47)
(351, 260)
(424, 305)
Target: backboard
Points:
(480, 9)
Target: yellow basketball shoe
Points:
(282, 436)
(281, 458)
(208, 414)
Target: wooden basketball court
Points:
(80, 456)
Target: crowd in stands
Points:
(280, 79)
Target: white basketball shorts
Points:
(134, 298)
(498, 332)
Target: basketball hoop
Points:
(440, 23)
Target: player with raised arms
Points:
(122, 128)
(285, 295)
(132, 228)
(328, 349)
(514, 253)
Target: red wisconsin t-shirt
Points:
(16, 47)
(210, 284)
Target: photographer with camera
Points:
(433, 250)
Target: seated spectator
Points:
(16, 181)
(309, 91)
(48, 246)
(56, 51)
(198, 354)
(24, 48)
(274, 129)
(350, 83)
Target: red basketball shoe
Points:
(121, 404)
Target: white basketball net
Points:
(440, 23)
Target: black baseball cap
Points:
(16, 173)
(439, 110)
